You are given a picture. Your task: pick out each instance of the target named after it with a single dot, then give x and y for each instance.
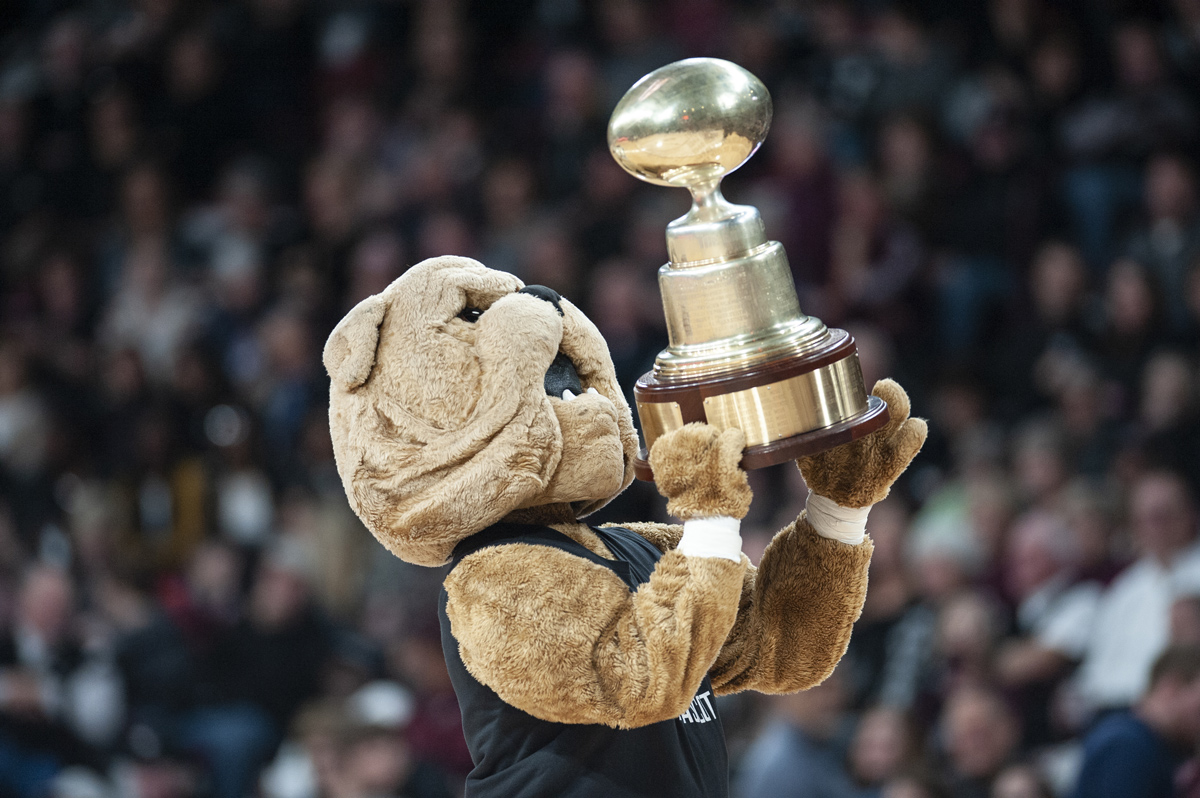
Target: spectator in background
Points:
(1135, 754)
(60, 106)
(61, 341)
(16, 165)
(969, 626)
(304, 763)
(1040, 463)
(58, 705)
(1055, 614)
(195, 121)
(1133, 617)
(260, 672)
(163, 495)
(1134, 325)
(884, 746)
(509, 200)
(801, 752)
(572, 119)
(889, 649)
(24, 432)
(1020, 781)
(1108, 134)
(1167, 419)
(1168, 241)
(146, 219)
(151, 311)
(915, 784)
(914, 70)
(435, 729)
(798, 196)
(980, 737)
(116, 134)
(371, 760)
(993, 217)
(1089, 512)
(873, 258)
(354, 748)
(288, 388)
(907, 171)
(1185, 620)
(1057, 80)
(156, 667)
(1029, 366)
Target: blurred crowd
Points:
(998, 199)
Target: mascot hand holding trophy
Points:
(476, 421)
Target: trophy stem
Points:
(708, 203)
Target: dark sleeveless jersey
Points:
(519, 756)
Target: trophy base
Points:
(791, 407)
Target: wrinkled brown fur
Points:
(441, 427)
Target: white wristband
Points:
(712, 537)
(832, 520)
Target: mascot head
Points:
(460, 397)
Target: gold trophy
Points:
(740, 353)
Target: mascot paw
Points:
(861, 473)
(696, 468)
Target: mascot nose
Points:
(542, 292)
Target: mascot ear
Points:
(350, 351)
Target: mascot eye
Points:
(470, 314)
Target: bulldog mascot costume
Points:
(476, 422)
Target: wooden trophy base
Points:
(793, 406)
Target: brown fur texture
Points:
(796, 613)
(441, 427)
(696, 468)
(567, 641)
(861, 473)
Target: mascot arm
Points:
(797, 610)
(799, 606)
(564, 639)
(790, 636)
